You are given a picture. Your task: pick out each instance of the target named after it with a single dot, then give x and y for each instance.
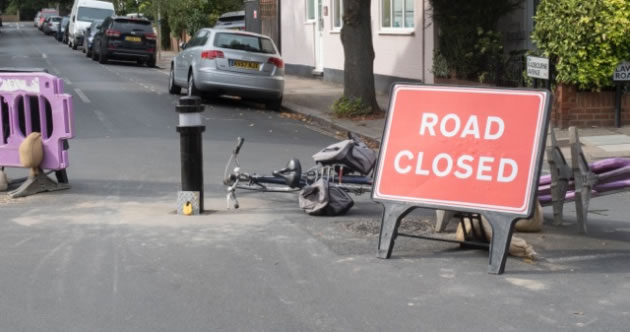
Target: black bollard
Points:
(190, 129)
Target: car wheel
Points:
(88, 53)
(274, 105)
(151, 63)
(94, 56)
(102, 58)
(172, 87)
(74, 46)
(192, 89)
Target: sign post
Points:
(474, 150)
(621, 76)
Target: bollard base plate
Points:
(185, 197)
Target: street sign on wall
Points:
(463, 149)
(622, 72)
(538, 67)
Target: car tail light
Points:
(150, 36)
(277, 62)
(112, 33)
(211, 55)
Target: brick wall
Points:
(10, 18)
(586, 109)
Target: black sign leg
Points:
(392, 215)
(62, 176)
(618, 106)
(502, 228)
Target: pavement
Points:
(313, 97)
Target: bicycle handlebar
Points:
(241, 140)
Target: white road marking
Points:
(17, 25)
(44, 56)
(584, 258)
(55, 70)
(82, 95)
(68, 81)
(527, 283)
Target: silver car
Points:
(51, 24)
(230, 62)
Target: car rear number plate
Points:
(133, 39)
(245, 64)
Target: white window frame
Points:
(306, 11)
(334, 13)
(392, 29)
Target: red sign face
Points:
(471, 149)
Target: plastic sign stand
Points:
(473, 150)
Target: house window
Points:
(310, 10)
(397, 14)
(337, 14)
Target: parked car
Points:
(82, 14)
(230, 62)
(61, 28)
(51, 25)
(36, 19)
(65, 32)
(89, 37)
(46, 13)
(125, 38)
(231, 20)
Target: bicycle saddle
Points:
(292, 174)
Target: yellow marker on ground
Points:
(188, 209)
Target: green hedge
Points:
(585, 38)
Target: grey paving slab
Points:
(615, 147)
(605, 140)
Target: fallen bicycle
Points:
(340, 169)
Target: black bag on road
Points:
(323, 198)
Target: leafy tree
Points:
(468, 39)
(188, 16)
(28, 8)
(585, 39)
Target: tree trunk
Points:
(356, 37)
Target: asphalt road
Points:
(110, 255)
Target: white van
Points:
(81, 17)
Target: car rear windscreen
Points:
(55, 19)
(91, 14)
(244, 42)
(128, 25)
(231, 18)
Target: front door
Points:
(319, 36)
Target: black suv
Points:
(125, 38)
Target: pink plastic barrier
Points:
(34, 102)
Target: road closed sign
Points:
(465, 149)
